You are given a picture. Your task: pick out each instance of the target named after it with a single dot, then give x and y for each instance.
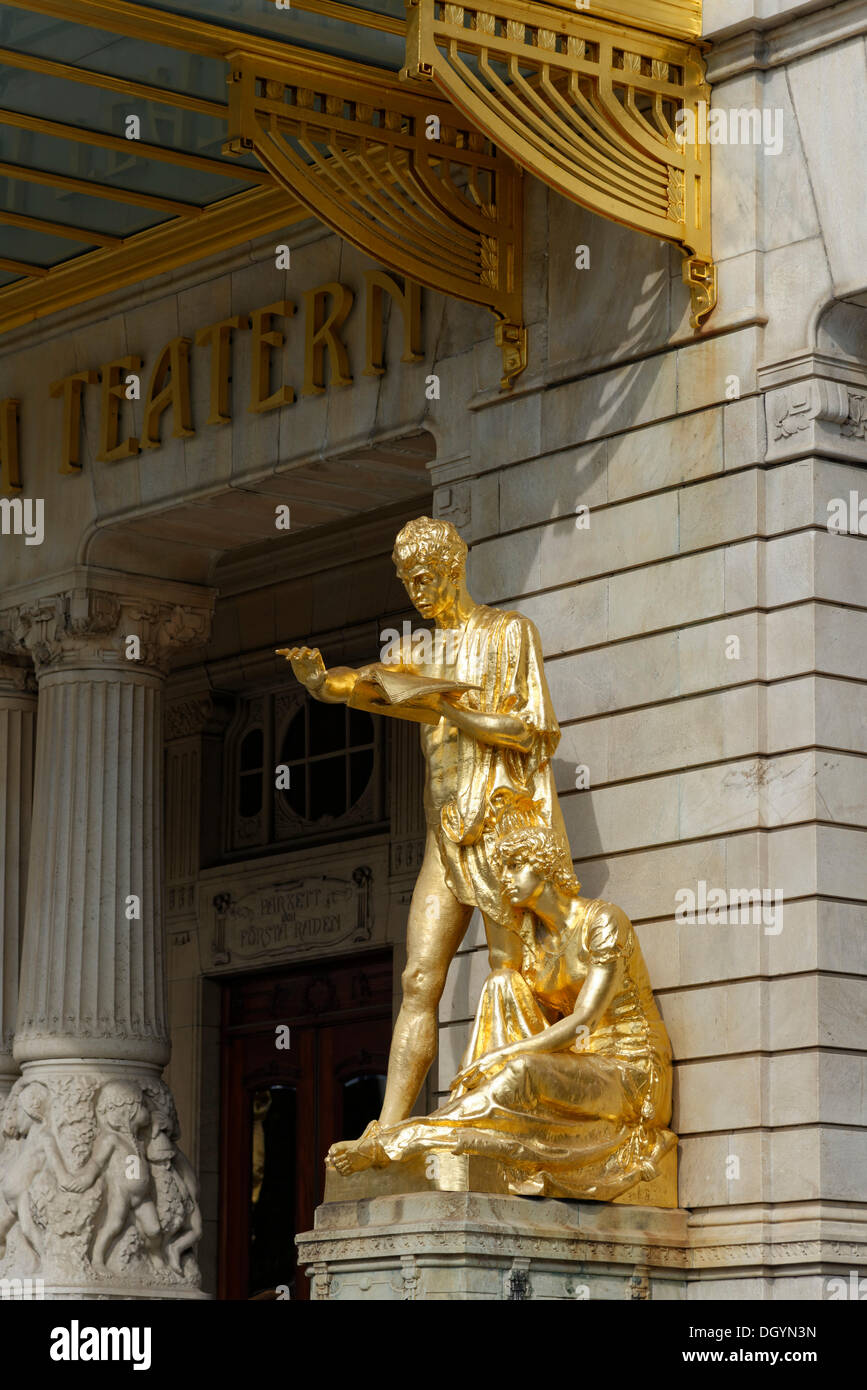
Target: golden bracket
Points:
(511, 339)
(602, 111)
(398, 172)
(701, 277)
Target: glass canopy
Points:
(74, 188)
(114, 117)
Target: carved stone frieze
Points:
(321, 1276)
(92, 626)
(816, 404)
(94, 1190)
(185, 718)
(855, 424)
(411, 1278)
(796, 407)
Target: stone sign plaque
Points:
(314, 914)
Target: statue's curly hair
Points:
(438, 542)
(544, 851)
(118, 1103)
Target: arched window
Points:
(300, 769)
(330, 752)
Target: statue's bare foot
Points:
(349, 1157)
(354, 1155)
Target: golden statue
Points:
(565, 1089)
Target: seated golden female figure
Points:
(567, 1077)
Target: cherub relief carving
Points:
(27, 1123)
(119, 1155)
(176, 1184)
(107, 1156)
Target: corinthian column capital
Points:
(16, 677)
(107, 621)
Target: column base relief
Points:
(96, 1198)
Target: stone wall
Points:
(704, 636)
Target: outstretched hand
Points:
(307, 665)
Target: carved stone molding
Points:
(517, 1280)
(454, 503)
(94, 1192)
(16, 677)
(321, 1276)
(193, 715)
(816, 404)
(90, 626)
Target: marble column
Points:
(17, 743)
(98, 1200)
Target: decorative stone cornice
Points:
(816, 404)
(92, 626)
(758, 41)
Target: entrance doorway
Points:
(282, 1106)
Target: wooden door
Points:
(283, 1106)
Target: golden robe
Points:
(501, 653)
(588, 1121)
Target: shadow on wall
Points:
(613, 293)
(625, 304)
(840, 329)
(585, 840)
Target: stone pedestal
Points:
(470, 1245)
(97, 1199)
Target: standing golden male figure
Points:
(488, 732)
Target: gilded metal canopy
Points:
(405, 131)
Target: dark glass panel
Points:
(75, 209)
(103, 111)
(327, 728)
(360, 728)
(303, 29)
(328, 788)
(360, 769)
(272, 1196)
(39, 248)
(252, 751)
(116, 168)
(250, 794)
(362, 1101)
(293, 742)
(296, 794)
(101, 51)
